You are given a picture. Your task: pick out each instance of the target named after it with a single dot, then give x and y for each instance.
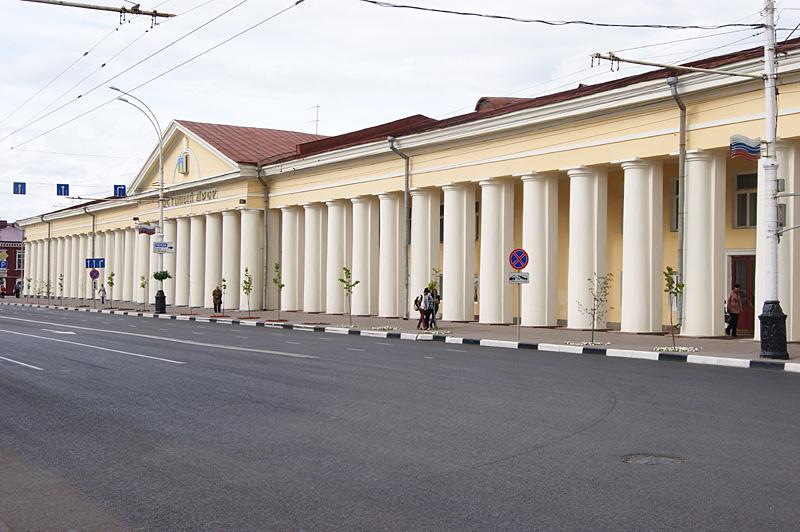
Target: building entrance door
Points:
(743, 273)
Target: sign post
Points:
(518, 259)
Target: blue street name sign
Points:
(19, 188)
(119, 191)
(62, 189)
(96, 263)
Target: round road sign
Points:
(518, 259)
(94, 274)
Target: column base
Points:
(773, 331)
(161, 302)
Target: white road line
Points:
(354, 349)
(296, 343)
(94, 347)
(165, 339)
(58, 332)
(456, 350)
(428, 357)
(383, 343)
(21, 363)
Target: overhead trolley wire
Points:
(380, 3)
(164, 73)
(126, 70)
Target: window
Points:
(746, 202)
(20, 260)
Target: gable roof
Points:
(248, 145)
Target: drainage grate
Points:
(652, 459)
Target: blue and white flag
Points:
(745, 148)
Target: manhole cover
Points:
(653, 459)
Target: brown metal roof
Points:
(248, 145)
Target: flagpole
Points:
(772, 318)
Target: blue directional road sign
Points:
(19, 188)
(3, 264)
(62, 189)
(96, 263)
(119, 191)
(518, 259)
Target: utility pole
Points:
(772, 319)
(133, 10)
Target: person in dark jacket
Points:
(216, 295)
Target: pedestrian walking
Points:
(734, 308)
(102, 294)
(436, 300)
(17, 289)
(216, 295)
(419, 306)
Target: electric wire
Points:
(561, 22)
(163, 73)
(71, 154)
(126, 70)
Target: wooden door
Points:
(743, 273)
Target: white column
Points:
(41, 264)
(315, 255)
(68, 266)
(273, 256)
(50, 246)
(142, 268)
(170, 235)
(251, 256)
(213, 251)
(59, 262)
(29, 261)
(119, 266)
(231, 255)
(424, 254)
(705, 232)
(365, 260)
(77, 267)
(540, 240)
(108, 253)
(183, 246)
(292, 257)
(458, 257)
(390, 270)
(789, 245)
(497, 240)
(128, 279)
(84, 290)
(35, 261)
(587, 241)
(340, 250)
(642, 243)
(197, 265)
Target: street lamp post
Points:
(161, 299)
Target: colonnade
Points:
(314, 242)
(208, 248)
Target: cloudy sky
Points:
(361, 64)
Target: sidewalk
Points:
(555, 339)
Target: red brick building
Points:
(11, 252)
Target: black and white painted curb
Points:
(689, 358)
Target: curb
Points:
(688, 358)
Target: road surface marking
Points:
(94, 347)
(428, 357)
(58, 332)
(456, 350)
(383, 343)
(354, 349)
(21, 363)
(296, 343)
(164, 339)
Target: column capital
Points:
(422, 191)
(312, 205)
(228, 212)
(288, 208)
(384, 196)
(532, 176)
(581, 171)
(335, 202)
(493, 181)
(634, 163)
(699, 155)
(361, 199)
(456, 186)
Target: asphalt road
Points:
(123, 423)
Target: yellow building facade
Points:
(585, 181)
